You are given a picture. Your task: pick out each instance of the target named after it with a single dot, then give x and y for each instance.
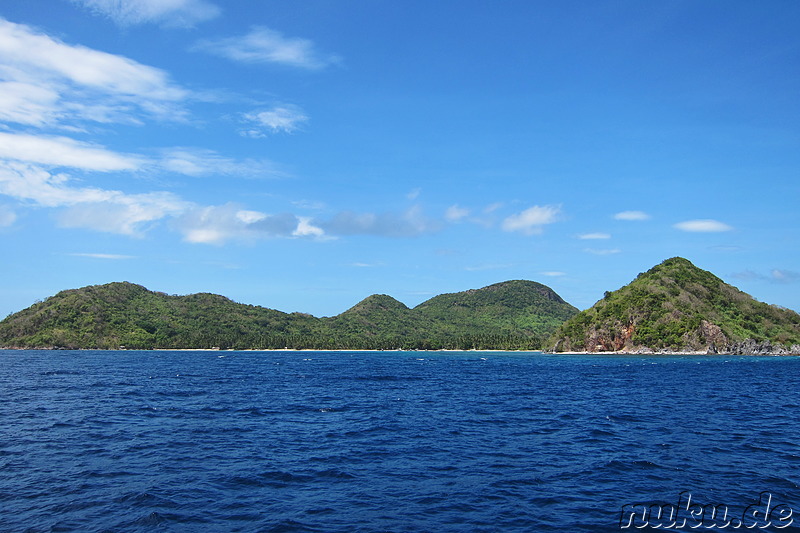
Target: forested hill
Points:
(510, 315)
(676, 306)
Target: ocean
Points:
(182, 441)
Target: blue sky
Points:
(304, 155)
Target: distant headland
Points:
(675, 307)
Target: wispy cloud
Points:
(454, 213)
(491, 208)
(703, 226)
(182, 13)
(410, 223)
(47, 82)
(49, 85)
(532, 220)
(220, 224)
(7, 216)
(632, 215)
(602, 251)
(113, 257)
(89, 207)
(126, 214)
(63, 152)
(553, 273)
(594, 236)
(282, 118)
(201, 162)
(263, 46)
(785, 276)
(774, 276)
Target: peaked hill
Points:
(511, 315)
(508, 308)
(676, 306)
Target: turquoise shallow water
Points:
(387, 441)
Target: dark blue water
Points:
(395, 441)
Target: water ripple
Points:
(376, 442)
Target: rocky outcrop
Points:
(711, 334)
(753, 347)
(676, 307)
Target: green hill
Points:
(124, 314)
(512, 308)
(676, 306)
(378, 321)
(511, 315)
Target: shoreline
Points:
(361, 350)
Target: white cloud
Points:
(184, 13)
(632, 215)
(48, 82)
(414, 193)
(703, 226)
(313, 205)
(305, 228)
(775, 276)
(605, 251)
(89, 207)
(263, 45)
(411, 223)
(63, 152)
(33, 183)
(23, 47)
(126, 214)
(200, 162)
(531, 221)
(7, 216)
(491, 208)
(114, 257)
(27, 103)
(282, 118)
(553, 273)
(220, 224)
(455, 213)
(784, 276)
(594, 236)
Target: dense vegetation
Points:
(511, 315)
(676, 306)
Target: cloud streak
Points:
(594, 236)
(113, 257)
(198, 162)
(410, 223)
(265, 46)
(46, 82)
(602, 251)
(181, 13)
(455, 213)
(780, 276)
(229, 222)
(7, 216)
(632, 216)
(532, 220)
(703, 226)
(63, 152)
(279, 119)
